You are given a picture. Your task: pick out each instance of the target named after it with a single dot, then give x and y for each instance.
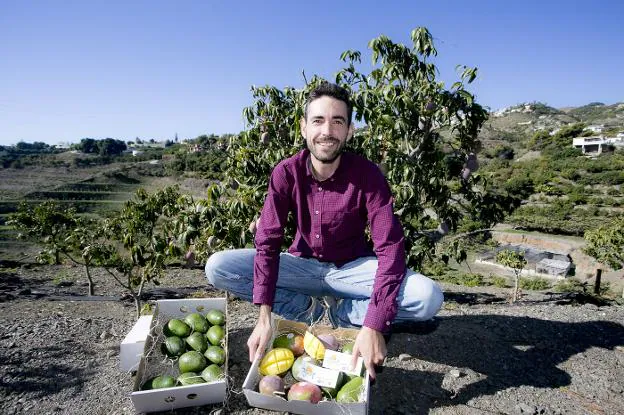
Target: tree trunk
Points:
(91, 289)
(137, 305)
(516, 285)
(597, 282)
(137, 298)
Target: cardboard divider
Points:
(133, 345)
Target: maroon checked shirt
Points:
(331, 218)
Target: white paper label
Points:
(342, 363)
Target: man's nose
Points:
(326, 129)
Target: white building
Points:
(595, 144)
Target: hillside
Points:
(516, 124)
(527, 151)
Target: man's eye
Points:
(316, 121)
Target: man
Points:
(333, 195)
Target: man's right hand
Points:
(261, 334)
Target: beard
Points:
(329, 155)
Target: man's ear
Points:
(350, 133)
(302, 126)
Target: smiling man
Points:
(333, 195)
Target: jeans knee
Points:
(214, 266)
(436, 299)
(426, 292)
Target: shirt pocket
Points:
(344, 225)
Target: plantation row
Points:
(81, 206)
(97, 187)
(69, 195)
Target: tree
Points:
(110, 147)
(515, 261)
(49, 224)
(422, 136)
(88, 145)
(60, 230)
(137, 243)
(606, 244)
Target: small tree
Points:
(60, 230)
(48, 224)
(138, 242)
(606, 244)
(80, 240)
(515, 261)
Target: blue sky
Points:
(151, 69)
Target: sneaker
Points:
(313, 314)
(331, 306)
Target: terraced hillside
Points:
(93, 191)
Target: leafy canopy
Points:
(420, 133)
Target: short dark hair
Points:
(331, 90)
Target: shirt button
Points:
(320, 189)
(387, 323)
(320, 255)
(316, 212)
(317, 236)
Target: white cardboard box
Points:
(132, 346)
(154, 363)
(275, 403)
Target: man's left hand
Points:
(371, 345)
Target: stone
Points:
(523, 408)
(403, 357)
(455, 373)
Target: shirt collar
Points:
(344, 160)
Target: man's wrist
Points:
(264, 316)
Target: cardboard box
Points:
(154, 363)
(275, 403)
(132, 346)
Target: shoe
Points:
(313, 314)
(331, 306)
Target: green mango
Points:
(351, 391)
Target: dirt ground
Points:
(548, 354)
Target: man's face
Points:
(326, 129)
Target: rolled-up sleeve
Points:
(269, 236)
(389, 246)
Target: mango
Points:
(351, 391)
(276, 361)
(271, 384)
(304, 391)
(313, 346)
(292, 341)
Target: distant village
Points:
(138, 146)
(594, 144)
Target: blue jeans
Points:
(299, 279)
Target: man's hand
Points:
(371, 345)
(261, 334)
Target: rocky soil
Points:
(548, 354)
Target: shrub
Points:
(461, 278)
(434, 268)
(500, 282)
(570, 285)
(535, 284)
